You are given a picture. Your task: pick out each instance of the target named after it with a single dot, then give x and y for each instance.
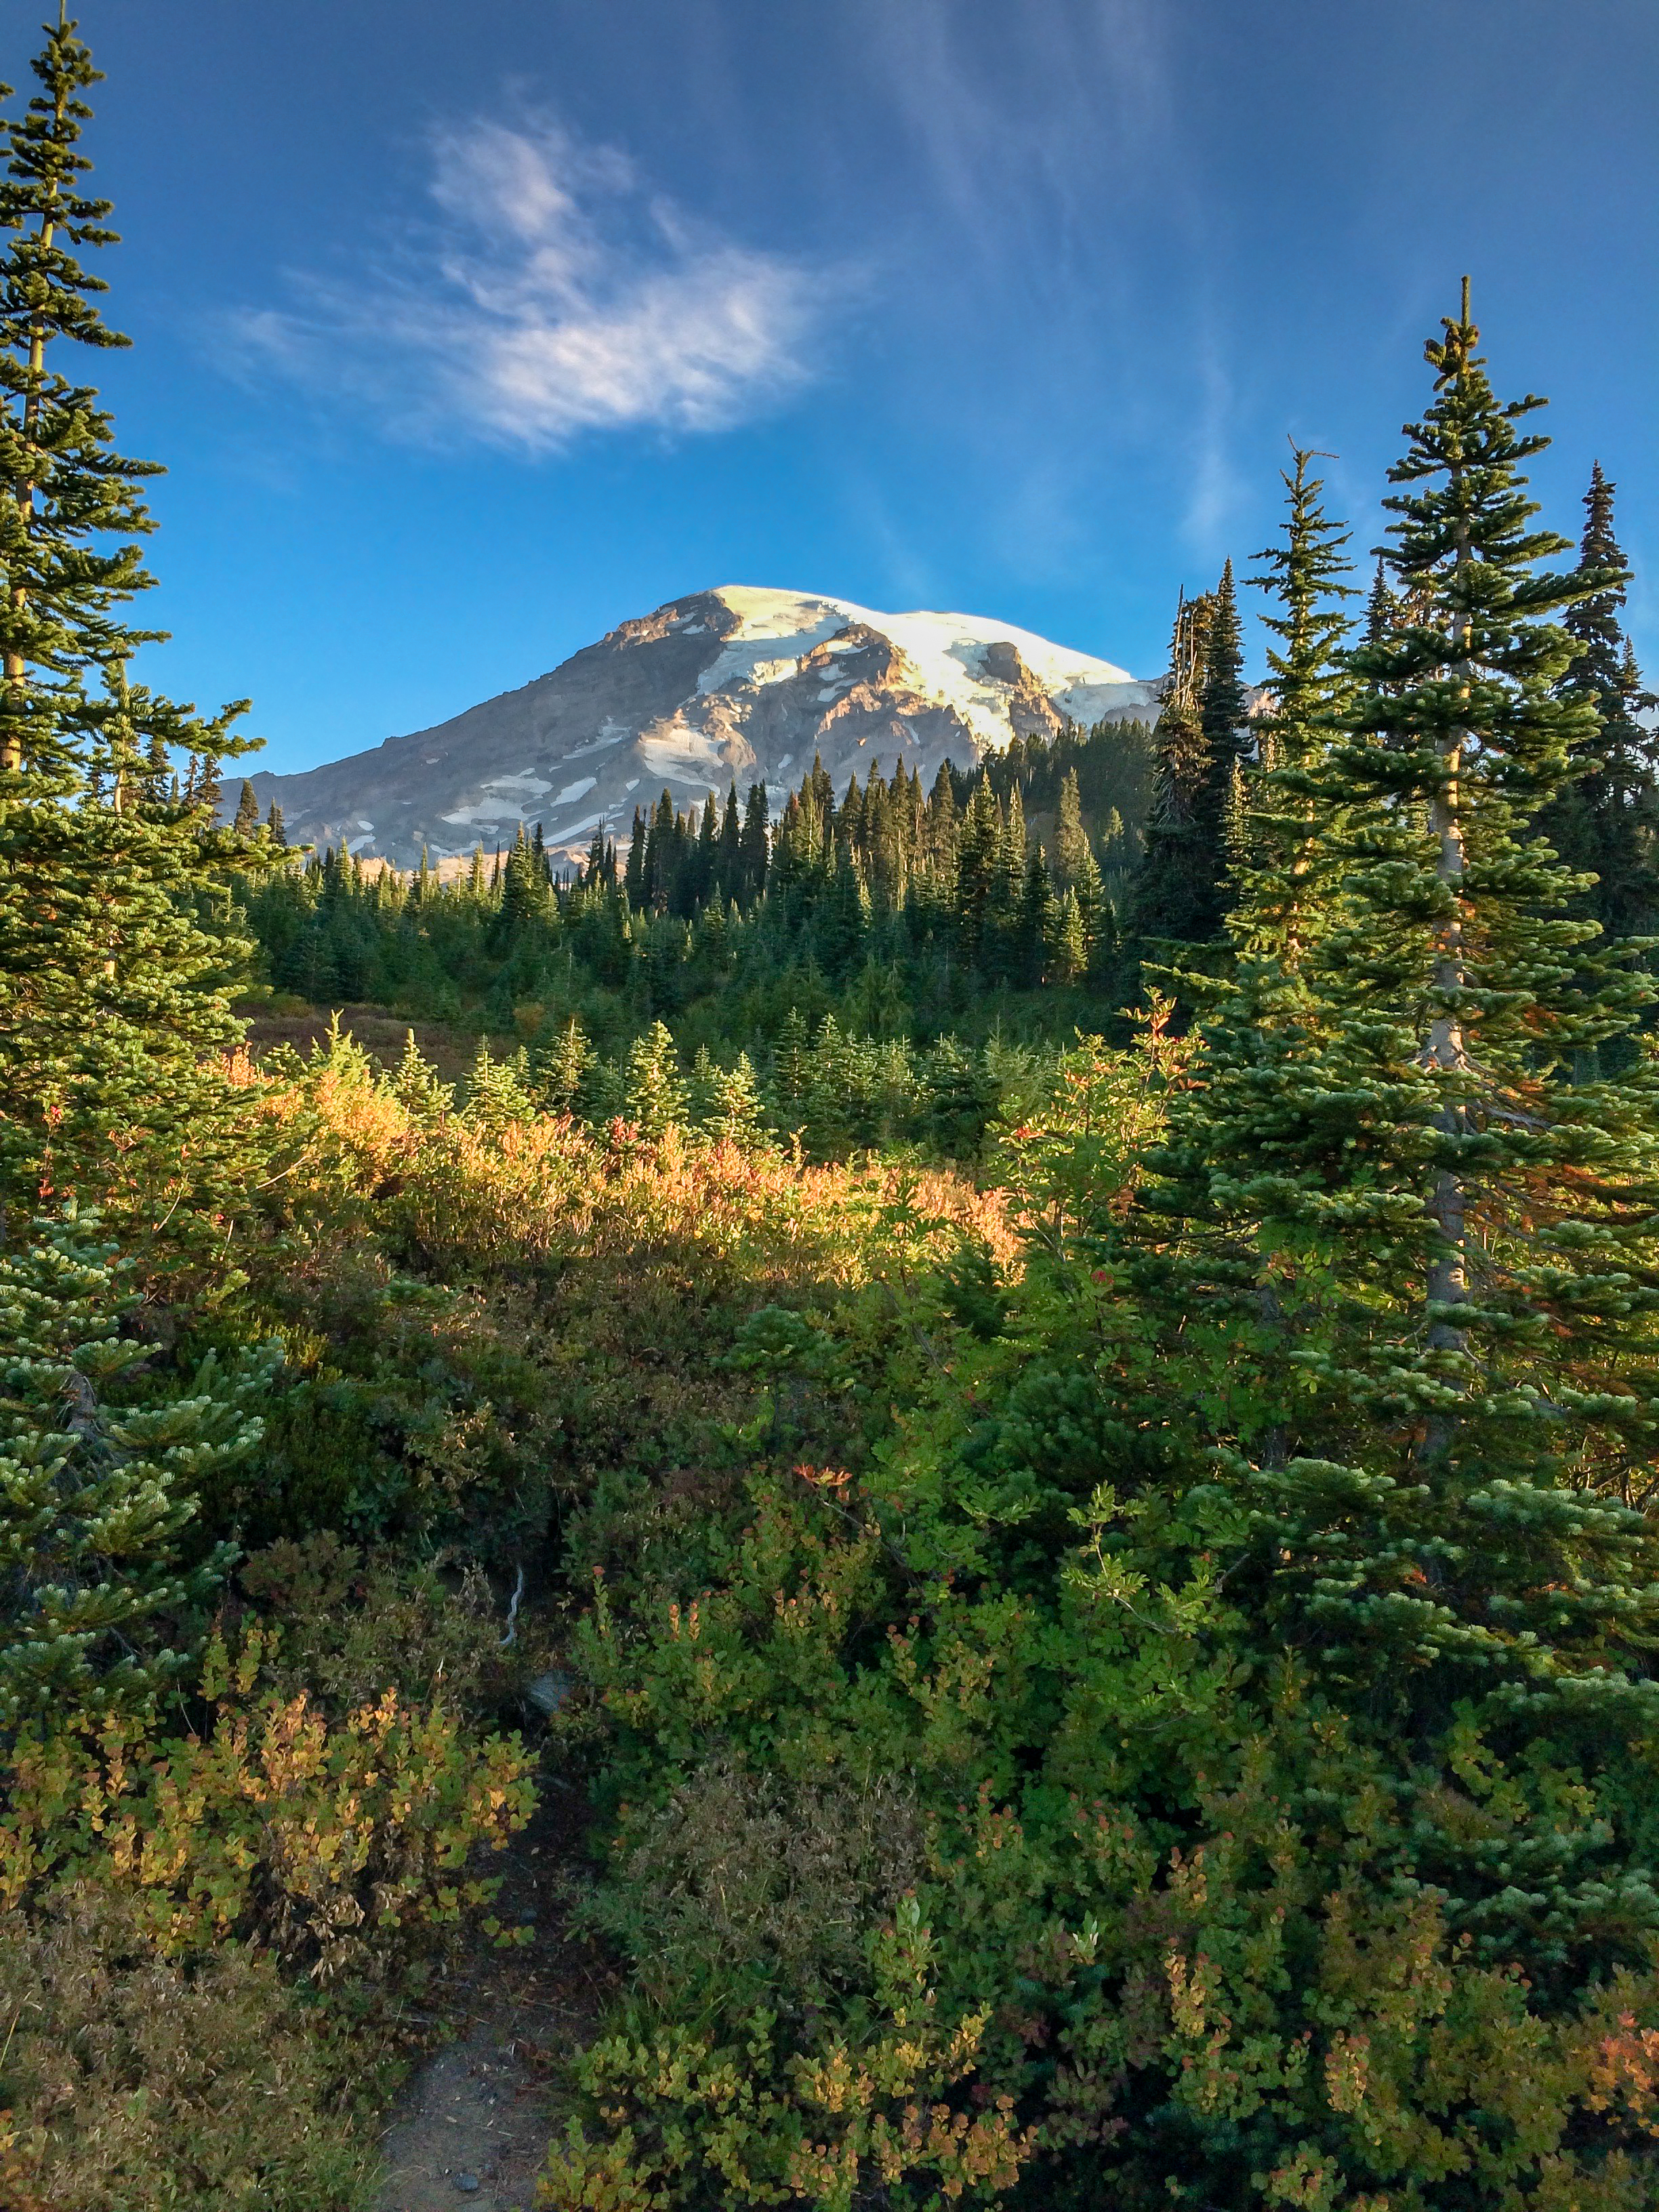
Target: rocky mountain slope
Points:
(738, 684)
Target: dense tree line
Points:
(916, 902)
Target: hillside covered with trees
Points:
(981, 1461)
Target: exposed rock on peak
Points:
(1030, 710)
(741, 685)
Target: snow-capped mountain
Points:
(738, 685)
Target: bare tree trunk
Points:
(11, 743)
(1449, 1278)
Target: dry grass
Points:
(381, 1035)
(138, 2085)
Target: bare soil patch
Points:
(379, 1032)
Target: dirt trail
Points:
(472, 2126)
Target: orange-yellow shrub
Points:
(340, 1844)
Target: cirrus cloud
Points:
(550, 294)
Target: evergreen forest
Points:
(960, 1490)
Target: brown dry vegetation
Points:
(381, 1035)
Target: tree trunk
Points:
(16, 674)
(1448, 1278)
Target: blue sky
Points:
(466, 334)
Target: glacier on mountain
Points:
(740, 685)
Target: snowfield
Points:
(777, 629)
(709, 689)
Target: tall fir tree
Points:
(729, 862)
(633, 870)
(1224, 719)
(1381, 605)
(113, 1009)
(1178, 893)
(655, 1091)
(1071, 839)
(1606, 819)
(755, 843)
(1434, 1236)
(1292, 833)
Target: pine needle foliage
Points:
(1171, 894)
(99, 1477)
(113, 1007)
(1424, 1243)
(1607, 820)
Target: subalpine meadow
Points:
(1059, 1373)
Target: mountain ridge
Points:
(741, 683)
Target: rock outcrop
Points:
(739, 686)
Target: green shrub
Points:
(99, 1467)
(343, 1845)
(354, 1623)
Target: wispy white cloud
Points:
(1215, 493)
(1034, 129)
(1055, 143)
(550, 292)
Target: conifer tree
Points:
(959, 1099)
(978, 869)
(498, 1091)
(843, 921)
(418, 1088)
(1607, 820)
(113, 1007)
(755, 845)
(660, 856)
(247, 821)
(1292, 832)
(1437, 1239)
(1176, 893)
(1223, 710)
(708, 833)
(1071, 840)
(563, 1070)
(1088, 893)
(1069, 944)
(654, 1094)
(1036, 920)
(943, 829)
(1381, 606)
(734, 1114)
(829, 1105)
(793, 1058)
(700, 1092)
(100, 1478)
(728, 867)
